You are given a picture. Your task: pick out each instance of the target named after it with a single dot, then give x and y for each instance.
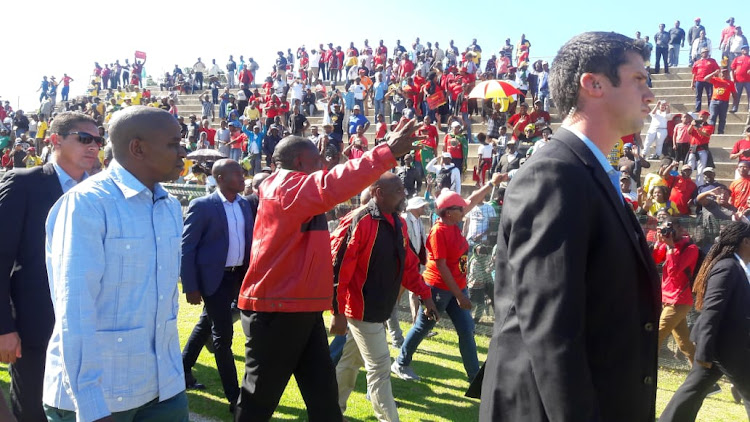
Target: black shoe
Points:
(194, 385)
(232, 407)
(715, 389)
(736, 395)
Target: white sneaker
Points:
(404, 372)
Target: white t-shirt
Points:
(358, 90)
(659, 120)
(485, 151)
(314, 59)
(297, 91)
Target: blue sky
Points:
(177, 32)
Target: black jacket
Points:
(26, 196)
(722, 331)
(577, 298)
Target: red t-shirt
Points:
(682, 193)
(740, 190)
(354, 153)
(446, 242)
(739, 146)
(66, 80)
(516, 118)
(723, 88)
(741, 67)
(703, 68)
(210, 134)
(456, 151)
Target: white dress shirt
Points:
(235, 230)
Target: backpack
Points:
(444, 178)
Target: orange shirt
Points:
(446, 242)
(740, 190)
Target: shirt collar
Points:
(64, 177)
(600, 157)
(224, 199)
(744, 266)
(129, 185)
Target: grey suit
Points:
(577, 298)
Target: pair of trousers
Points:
(279, 345)
(674, 55)
(700, 87)
(64, 93)
(688, 399)
(658, 136)
(324, 70)
(701, 157)
(661, 53)
(235, 154)
(393, 326)
(673, 320)
(462, 321)
(366, 345)
(379, 107)
(741, 86)
(718, 110)
(216, 322)
(199, 79)
(174, 409)
(230, 78)
(27, 384)
(125, 78)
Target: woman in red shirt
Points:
(445, 273)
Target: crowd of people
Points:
(92, 330)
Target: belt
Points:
(233, 269)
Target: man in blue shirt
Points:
(113, 261)
(357, 119)
(661, 39)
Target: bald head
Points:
(386, 181)
(223, 166)
(258, 179)
(138, 122)
(298, 154)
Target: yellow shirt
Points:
(33, 161)
(655, 207)
(651, 180)
(41, 129)
(136, 96)
(252, 114)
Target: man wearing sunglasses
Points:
(26, 196)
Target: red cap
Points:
(448, 198)
(704, 113)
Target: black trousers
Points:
(199, 79)
(27, 383)
(278, 346)
(216, 322)
(688, 399)
(662, 53)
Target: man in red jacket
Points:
(289, 282)
(679, 255)
(372, 260)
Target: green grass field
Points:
(437, 397)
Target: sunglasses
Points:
(85, 138)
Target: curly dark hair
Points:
(726, 246)
(590, 52)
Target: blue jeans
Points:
(741, 86)
(360, 103)
(701, 86)
(467, 124)
(674, 55)
(379, 107)
(337, 348)
(174, 409)
(718, 110)
(235, 154)
(462, 321)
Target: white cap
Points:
(455, 124)
(415, 203)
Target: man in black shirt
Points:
(337, 120)
(19, 155)
(299, 123)
(676, 40)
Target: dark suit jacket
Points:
(26, 196)
(577, 298)
(722, 331)
(205, 243)
(506, 164)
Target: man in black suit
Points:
(577, 295)
(26, 314)
(216, 244)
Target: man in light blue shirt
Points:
(113, 261)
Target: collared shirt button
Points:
(127, 246)
(649, 327)
(158, 238)
(160, 267)
(648, 380)
(119, 339)
(161, 297)
(119, 399)
(158, 325)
